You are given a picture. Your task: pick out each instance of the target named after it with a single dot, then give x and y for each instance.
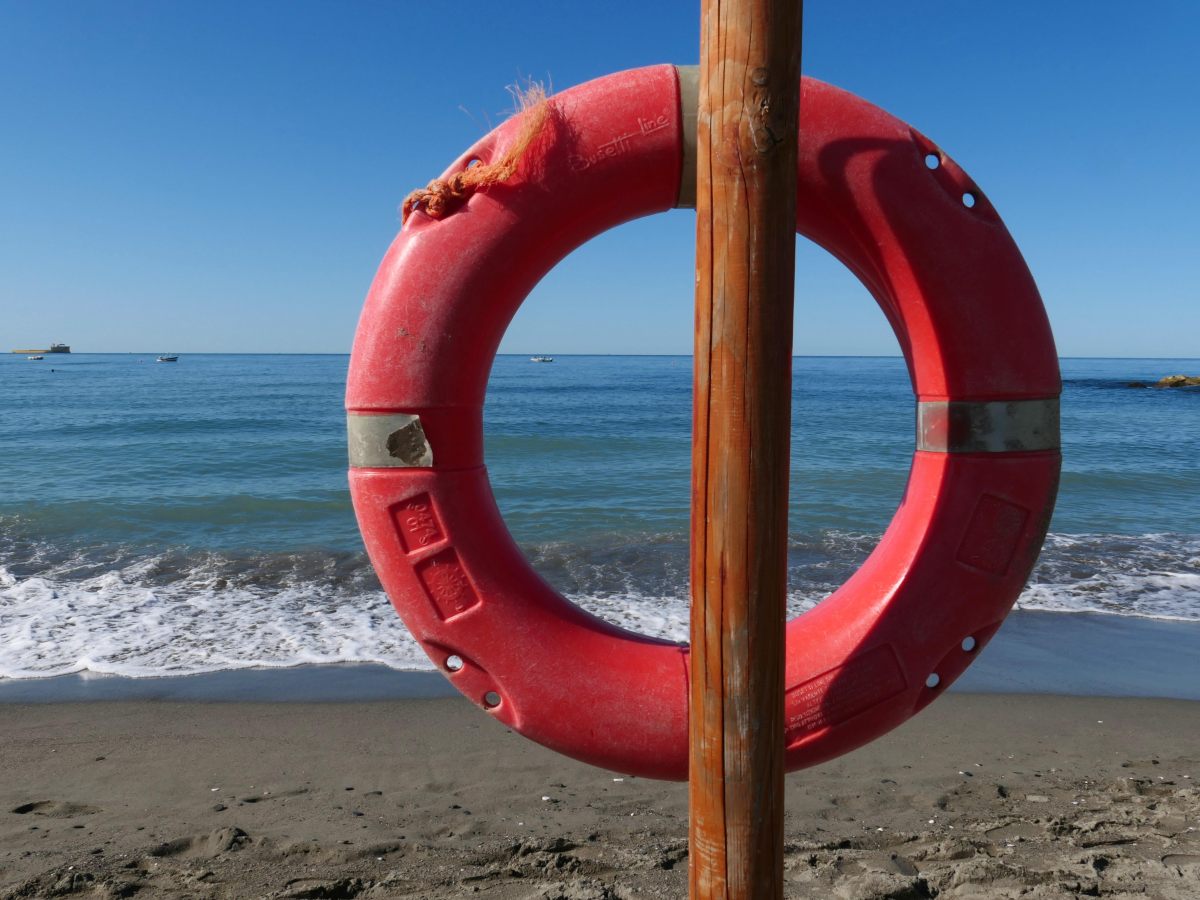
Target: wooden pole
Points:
(745, 266)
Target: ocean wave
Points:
(1154, 576)
(118, 610)
(131, 622)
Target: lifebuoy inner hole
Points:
(589, 457)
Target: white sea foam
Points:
(111, 624)
(180, 614)
(1154, 576)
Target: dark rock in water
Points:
(1138, 384)
(1179, 381)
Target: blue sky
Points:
(225, 176)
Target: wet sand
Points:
(982, 796)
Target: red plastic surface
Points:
(950, 565)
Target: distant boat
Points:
(541, 359)
(35, 357)
(167, 359)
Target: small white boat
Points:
(35, 357)
(541, 359)
(167, 359)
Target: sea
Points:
(171, 519)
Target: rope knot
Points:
(440, 196)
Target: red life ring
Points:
(880, 197)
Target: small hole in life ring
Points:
(491, 699)
(933, 680)
(968, 644)
(454, 663)
(473, 162)
(968, 199)
(932, 161)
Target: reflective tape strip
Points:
(689, 109)
(1001, 426)
(390, 441)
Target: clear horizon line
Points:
(514, 353)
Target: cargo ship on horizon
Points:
(54, 348)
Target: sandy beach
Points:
(982, 796)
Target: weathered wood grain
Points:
(745, 261)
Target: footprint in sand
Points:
(55, 809)
(1182, 860)
(204, 846)
(1015, 831)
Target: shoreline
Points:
(1035, 652)
(980, 797)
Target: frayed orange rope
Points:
(438, 196)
